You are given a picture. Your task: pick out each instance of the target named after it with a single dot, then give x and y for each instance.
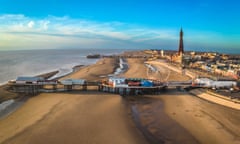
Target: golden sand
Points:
(96, 71)
(71, 118)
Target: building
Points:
(73, 82)
(117, 81)
(28, 80)
(162, 53)
(208, 83)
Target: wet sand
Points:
(5, 94)
(74, 118)
(208, 122)
(156, 124)
(179, 118)
(149, 113)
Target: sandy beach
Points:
(177, 117)
(71, 118)
(180, 118)
(137, 69)
(172, 117)
(97, 71)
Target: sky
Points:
(123, 24)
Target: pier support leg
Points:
(84, 87)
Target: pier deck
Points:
(33, 89)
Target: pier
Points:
(116, 85)
(122, 86)
(34, 89)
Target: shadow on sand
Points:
(149, 116)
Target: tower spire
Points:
(181, 49)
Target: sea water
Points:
(35, 62)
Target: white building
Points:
(117, 81)
(162, 53)
(206, 82)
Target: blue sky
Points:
(48, 24)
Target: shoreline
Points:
(11, 108)
(22, 98)
(100, 70)
(74, 69)
(19, 99)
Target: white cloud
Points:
(31, 24)
(64, 31)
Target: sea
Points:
(36, 62)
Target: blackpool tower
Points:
(180, 49)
